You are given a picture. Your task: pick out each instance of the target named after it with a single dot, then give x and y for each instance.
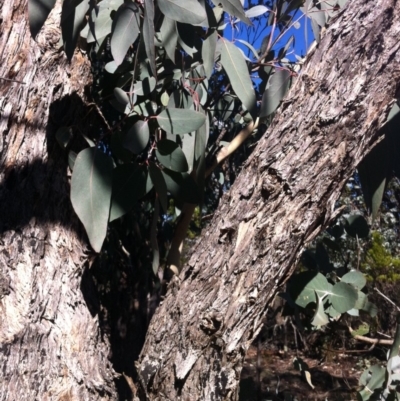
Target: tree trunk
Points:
(50, 341)
(284, 196)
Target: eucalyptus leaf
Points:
(187, 11)
(320, 318)
(160, 185)
(305, 285)
(357, 226)
(180, 121)
(91, 186)
(129, 185)
(355, 278)
(149, 34)
(169, 37)
(137, 137)
(343, 297)
(38, 11)
(234, 8)
(170, 155)
(236, 68)
(72, 19)
(125, 30)
(182, 186)
(277, 86)
(256, 11)
(64, 136)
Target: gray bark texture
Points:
(51, 347)
(284, 196)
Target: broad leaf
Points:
(357, 226)
(91, 193)
(343, 297)
(274, 93)
(145, 87)
(160, 186)
(181, 186)
(170, 155)
(180, 121)
(63, 136)
(320, 318)
(129, 185)
(372, 172)
(125, 30)
(121, 97)
(256, 11)
(137, 137)
(169, 37)
(187, 11)
(234, 8)
(355, 278)
(72, 19)
(149, 34)
(235, 66)
(305, 285)
(38, 11)
(153, 237)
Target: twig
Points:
(387, 299)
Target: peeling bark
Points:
(284, 196)
(51, 347)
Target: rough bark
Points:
(284, 196)
(51, 347)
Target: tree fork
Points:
(284, 196)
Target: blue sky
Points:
(303, 35)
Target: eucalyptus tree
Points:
(165, 80)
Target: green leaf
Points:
(169, 37)
(361, 330)
(157, 177)
(278, 84)
(320, 318)
(121, 97)
(63, 136)
(182, 186)
(355, 278)
(372, 172)
(343, 297)
(305, 285)
(38, 11)
(357, 226)
(72, 18)
(91, 184)
(374, 379)
(234, 8)
(170, 155)
(125, 30)
(235, 66)
(153, 238)
(187, 11)
(180, 121)
(149, 34)
(129, 185)
(256, 11)
(137, 137)
(145, 87)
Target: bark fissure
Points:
(329, 121)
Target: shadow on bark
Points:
(114, 287)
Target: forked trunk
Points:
(284, 196)
(51, 347)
